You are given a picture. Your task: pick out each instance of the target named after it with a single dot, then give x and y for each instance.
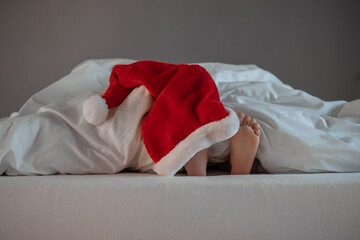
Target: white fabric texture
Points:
(57, 139)
(146, 206)
(300, 133)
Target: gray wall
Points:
(311, 45)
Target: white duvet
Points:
(300, 133)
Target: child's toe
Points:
(257, 131)
(240, 116)
(252, 122)
(245, 120)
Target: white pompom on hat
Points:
(95, 110)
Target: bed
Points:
(313, 156)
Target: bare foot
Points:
(243, 145)
(196, 166)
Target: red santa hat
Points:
(186, 117)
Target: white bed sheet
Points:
(146, 206)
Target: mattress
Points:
(147, 206)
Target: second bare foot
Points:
(243, 145)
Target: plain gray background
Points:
(311, 45)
